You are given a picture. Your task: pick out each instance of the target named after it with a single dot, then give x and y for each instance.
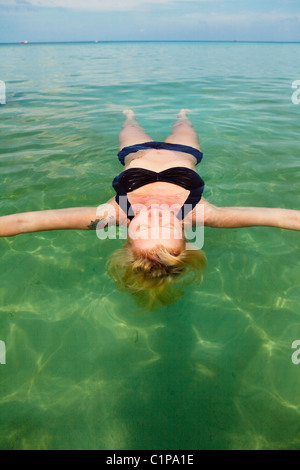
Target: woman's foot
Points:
(182, 119)
(130, 118)
(128, 113)
(183, 113)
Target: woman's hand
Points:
(80, 218)
(236, 217)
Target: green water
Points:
(85, 367)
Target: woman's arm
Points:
(82, 218)
(236, 217)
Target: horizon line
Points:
(96, 41)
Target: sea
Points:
(82, 365)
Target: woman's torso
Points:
(159, 160)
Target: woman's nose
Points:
(154, 217)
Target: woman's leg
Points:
(183, 132)
(132, 133)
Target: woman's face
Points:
(156, 226)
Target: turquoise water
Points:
(86, 368)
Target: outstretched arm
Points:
(82, 218)
(236, 217)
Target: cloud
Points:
(246, 18)
(100, 5)
(88, 5)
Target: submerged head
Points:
(156, 226)
(155, 261)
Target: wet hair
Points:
(155, 277)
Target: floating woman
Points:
(158, 196)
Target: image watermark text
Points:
(296, 94)
(296, 354)
(2, 92)
(158, 222)
(2, 353)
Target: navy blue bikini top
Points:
(135, 178)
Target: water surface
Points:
(85, 367)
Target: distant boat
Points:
(24, 42)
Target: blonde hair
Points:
(157, 276)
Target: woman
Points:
(159, 193)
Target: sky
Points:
(148, 20)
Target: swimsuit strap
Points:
(192, 200)
(123, 201)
